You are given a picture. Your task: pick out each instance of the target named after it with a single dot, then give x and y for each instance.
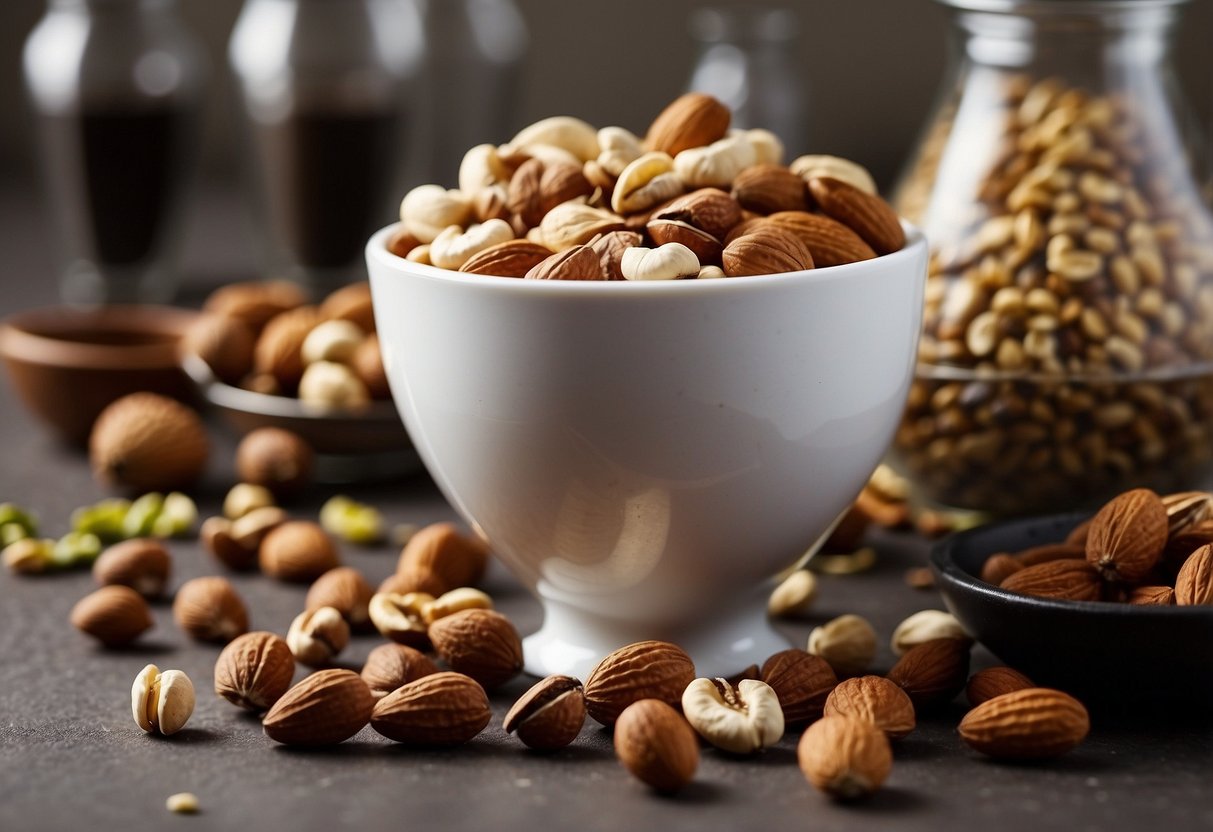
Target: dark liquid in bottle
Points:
(116, 177)
(327, 175)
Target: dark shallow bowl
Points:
(1112, 653)
(67, 364)
(369, 445)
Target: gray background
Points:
(872, 67)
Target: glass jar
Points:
(326, 90)
(116, 88)
(1067, 350)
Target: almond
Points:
(351, 303)
(875, 700)
(147, 442)
(1194, 584)
(691, 120)
(390, 666)
(610, 248)
(765, 250)
(208, 609)
(995, 681)
(1152, 596)
(576, 263)
(867, 215)
(326, 708)
(549, 715)
(1047, 552)
(346, 591)
(1070, 580)
(143, 564)
(710, 210)
(801, 681)
(845, 757)
(440, 709)
(1127, 536)
(829, 242)
(255, 303)
(224, 344)
(1030, 724)
(254, 670)
(1078, 534)
(769, 189)
(524, 195)
(999, 567)
(513, 258)
(932, 672)
(298, 551)
(482, 644)
(705, 247)
(279, 350)
(454, 558)
(644, 670)
(656, 745)
(114, 615)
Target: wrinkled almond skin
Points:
(441, 709)
(1194, 585)
(933, 672)
(873, 699)
(513, 258)
(829, 242)
(1029, 724)
(326, 708)
(867, 215)
(609, 248)
(995, 681)
(801, 681)
(1046, 552)
(643, 670)
(254, 670)
(549, 715)
(657, 745)
(1127, 536)
(298, 551)
(1152, 596)
(576, 263)
(691, 120)
(345, 590)
(114, 615)
(390, 666)
(765, 250)
(1067, 580)
(705, 247)
(710, 210)
(142, 564)
(209, 609)
(482, 644)
(454, 559)
(769, 189)
(999, 567)
(845, 757)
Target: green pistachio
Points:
(12, 515)
(28, 556)
(76, 549)
(177, 516)
(352, 521)
(141, 516)
(104, 519)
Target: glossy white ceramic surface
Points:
(647, 456)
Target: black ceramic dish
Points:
(1106, 652)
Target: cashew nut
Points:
(647, 181)
(565, 132)
(835, 167)
(454, 246)
(573, 223)
(481, 167)
(671, 261)
(620, 147)
(717, 164)
(427, 209)
(768, 149)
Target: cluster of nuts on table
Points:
(265, 337)
(1068, 323)
(1139, 548)
(692, 199)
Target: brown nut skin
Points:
(455, 559)
(549, 716)
(932, 672)
(208, 609)
(279, 349)
(351, 303)
(482, 644)
(442, 709)
(1029, 724)
(691, 120)
(876, 700)
(1194, 584)
(644, 670)
(143, 564)
(147, 442)
(710, 210)
(866, 214)
(984, 685)
(999, 567)
(255, 304)
(254, 670)
(1127, 536)
(326, 708)
(278, 459)
(298, 551)
(610, 248)
(346, 591)
(801, 681)
(224, 344)
(1152, 596)
(402, 583)
(114, 615)
(845, 757)
(367, 364)
(216, 536)
(657, 745)
(1070, 580)
(769, 189)
(765, 250)
(390, 666)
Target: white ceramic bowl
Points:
(645, 457)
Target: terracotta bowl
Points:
(67, 364)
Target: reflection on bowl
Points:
(1099, 651)
(645, 456)
(370, 444)
(67, 364)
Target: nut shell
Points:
(298, 551)
(1030, 724)
(390, 666)
(643, 670)
(656, 745)
(114, 615)
(549, 715)
(830, 242)
(844, 757)
(254, 670)
(479, 643)
(876, 700)
(208, 609)
(143, 564)
(802, 682)
(326, 708)
(440, 709)
(513, 258)
(279, 349)
(255, 304)
(147, 442)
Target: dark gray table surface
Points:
(71, 756)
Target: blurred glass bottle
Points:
(475, 79)
(116, 88)
(328, 88)
(747, 60)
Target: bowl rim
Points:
(376, 250)
(944, 564)
(26, 336)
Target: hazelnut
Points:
(147, 442)
(224, 344)
(275, 458)
(279, 350)
(454, 559)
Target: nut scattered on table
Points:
(741, 719)
(924, 626)
(114, 615)
(245, 497)
(297, 551)
(254, 670)
(210, 609)
(794, 596)
(801, 682)
(442, 551)
(932, 672)
(277, 459)
(479, 643)
(317, 636)
(399, 617)
(643, 670)
(162, 702)
(848, 643)
(549, 715)
(391, 666)
(845, 757)
(1029, 724)
(326, 708)
(440, 709)
(142, 564)
(457, 600)
(656, 745)
(347, 591)
(876, 700)
(986, 684)
(147, 442)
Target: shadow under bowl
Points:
(68, 364)
(1107, 653)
